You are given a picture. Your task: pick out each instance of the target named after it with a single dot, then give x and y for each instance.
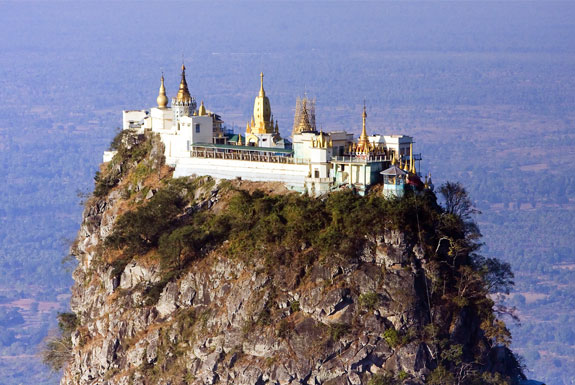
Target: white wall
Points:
(132, 116)
(293, 175)
(197, 129)
(162, 119)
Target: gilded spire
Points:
(262, 122)
(363, 142)
(262, 92)
(162, 99)
(183, 92)
(364, 118)
(240, 143)
(411, 161)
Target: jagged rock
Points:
(135, 273)
(150, 194)
(238, 320)
(167, 303)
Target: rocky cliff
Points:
(185, 281)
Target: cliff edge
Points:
(185, 281)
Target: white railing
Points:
(361, 158)
(245, 156)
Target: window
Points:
(197, 128)
(316, 173)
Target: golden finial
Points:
(364, 118)
(406, 165)
(277, 128)
(412, 168)
(202, 109)
(239, 143)
(262, 92)
(183, 92)
(248, 128)
(162, 99)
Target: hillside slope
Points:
(182, 281)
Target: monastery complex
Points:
(197, 143)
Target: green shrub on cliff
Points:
(295, 230)
(139, 230)
(58, 349)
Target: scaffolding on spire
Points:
(304, 117)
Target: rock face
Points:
(229, 320)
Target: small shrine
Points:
(393, 181)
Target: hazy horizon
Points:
(486, 88)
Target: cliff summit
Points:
(189, 281)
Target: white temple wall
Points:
(131, 117)
(196, 129)
(162, 119)
(293, 175)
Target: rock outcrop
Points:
(229, 320)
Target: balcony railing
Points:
(361, 158)
(245, 156)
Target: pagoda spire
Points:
(183, 92)
(162, 99)
(262, 92)
(411, 160)
(363, 142)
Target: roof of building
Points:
(393, 171)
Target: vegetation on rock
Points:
(189, 225)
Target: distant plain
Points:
(486, 88)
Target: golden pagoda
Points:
(202, 110)
(183, 92)
(162, 99)
(363, 145)
(261, 120)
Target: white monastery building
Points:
(197, 143)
